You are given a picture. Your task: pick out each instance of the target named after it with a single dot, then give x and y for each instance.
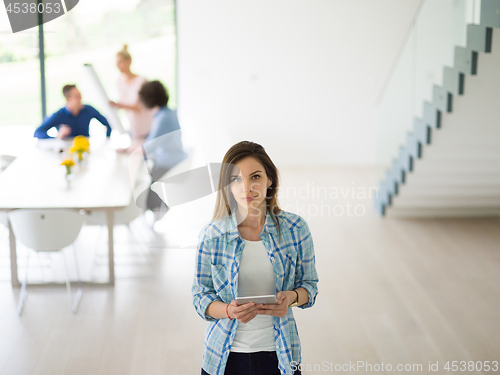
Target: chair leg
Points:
(24, 293)
(96, 251)
(68, 284)
(79, 291)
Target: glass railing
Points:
(437, 27)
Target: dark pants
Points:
(153, 201)
(258, 363)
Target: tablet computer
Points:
(268, 300)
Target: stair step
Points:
(383, 197)
(413, 146)
(465, 60)
(422, 131)
(490, 13)
(391, 184)
(458, 154)
(441, 99)
(432, 116)
(444, 191)
(479, 38)
(453, 81)
(439, 201)
(396, 172)
(405, 160)
(473, 135)
(464, 167)
(451, 179)
(442, 212)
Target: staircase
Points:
(450, 164)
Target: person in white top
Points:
(256, 278)
(129, 84)
(252, 247)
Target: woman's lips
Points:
(248, 199)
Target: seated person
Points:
(73, 119)
(163, 144)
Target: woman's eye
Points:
(256, 176)
(237, 179)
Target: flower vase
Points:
(81, 158)
(68, 177)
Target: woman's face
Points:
(249, 183)
(122, 64)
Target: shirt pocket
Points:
(287, 271)
(220, 280)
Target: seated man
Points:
(73, 119)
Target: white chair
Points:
(48, 231)
(4, 229)
(5, 161)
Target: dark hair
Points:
(153, 94)
(67, 89)
(225, 202)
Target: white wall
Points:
(301, 77)
(440, 27)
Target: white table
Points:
(36, 180)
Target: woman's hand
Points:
(281, 309)
(136, 107)
(244, 313)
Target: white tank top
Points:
(255, 277)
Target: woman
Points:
(252, 247)
(164, 142)
(129, 85)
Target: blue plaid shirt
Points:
(216, 279)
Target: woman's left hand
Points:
(280, 310)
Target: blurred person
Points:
(163, 144)
(73, 119)
(252, 247)
(129, 84)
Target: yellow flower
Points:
(80, 144)
(81, 140)
(68, 163)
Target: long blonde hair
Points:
(123, 53)
(225, 203)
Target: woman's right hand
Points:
(244, 313)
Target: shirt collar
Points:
(230, 226)
(71, 114)
(160, 110)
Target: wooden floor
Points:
(391, 291)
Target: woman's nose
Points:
(247, 186)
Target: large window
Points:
(20, 98)
(90, 33)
